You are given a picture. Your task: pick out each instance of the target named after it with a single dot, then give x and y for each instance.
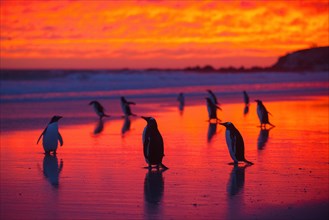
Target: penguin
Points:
(153, 146)
(262, 114)
(181, 100)
(99, 109)
(212, 109)
(51, 136)
(234, 143)
(212, 97)
(245, 98)
(125, 105)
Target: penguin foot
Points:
(164, 167)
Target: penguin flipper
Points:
(42, 134)
(60, 139)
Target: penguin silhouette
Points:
(245, 98)
(212, 109)
(212, 97)
(234, 143)
(99, 109)
(51, 136)
(181, 101)
(262, 114)
(153, 146)
(125, 105)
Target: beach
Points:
(99, 171)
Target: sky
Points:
(157, 33)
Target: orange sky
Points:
(157, 33)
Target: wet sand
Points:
(98, 173)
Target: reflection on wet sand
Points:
(212, 128)
(99, 126)
(236, 180)
(51, 169)
(263, 138)
(126, 125)
(153, 193)
(246, 110)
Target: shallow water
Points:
(98, 173)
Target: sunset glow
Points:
(165, 34)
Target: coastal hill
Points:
(314, 59)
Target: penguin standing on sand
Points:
(262, 114)
(153, 144)
(234, 143)
(212, 109)
(125, 105)
(181, 100)
(99, 109)
(212, 97)
(51, 136)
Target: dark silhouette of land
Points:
(311, 60)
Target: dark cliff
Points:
(314, 59)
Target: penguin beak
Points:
(145, 118)
(224, 124)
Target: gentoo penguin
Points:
(212, 109)
(99, 109)
(153, 144)
(125, 106)
(234, 143)
(51, 136)
(181, 100)
(245, 98)
(212, 97)
(262, 114)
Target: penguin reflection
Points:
(237, 179)
(126, 125)
(51, 169)
(153, 191)
(212, 128)
(99, 126)
(246, 110)
(263, 138)
(246, 103)
(181, 101)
